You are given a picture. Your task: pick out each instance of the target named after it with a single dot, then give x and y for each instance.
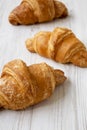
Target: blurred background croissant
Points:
(37, 11)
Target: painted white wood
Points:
(67, 107)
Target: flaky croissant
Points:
(60, 45)
(22, 86)
(34, 11)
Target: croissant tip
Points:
(80, 59)
(29, 45)
(65, 14)
(13, 20)
(60, 77)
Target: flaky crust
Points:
(60, 45)
(22, 86)
(34, 11)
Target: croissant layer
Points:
(22, 86)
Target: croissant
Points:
(60, 45)
(22, 86)
(34, 11)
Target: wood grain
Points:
(67, 108)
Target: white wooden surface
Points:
(67, 108)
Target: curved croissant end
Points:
(60, 45)
(33, 11)
(22, 86)
(60, 9)
(80, 59)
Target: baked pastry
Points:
(22, 86)
(37, 11)
(60, 45)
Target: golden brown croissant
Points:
(60, 45)
(22, 86)
(33, 11)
